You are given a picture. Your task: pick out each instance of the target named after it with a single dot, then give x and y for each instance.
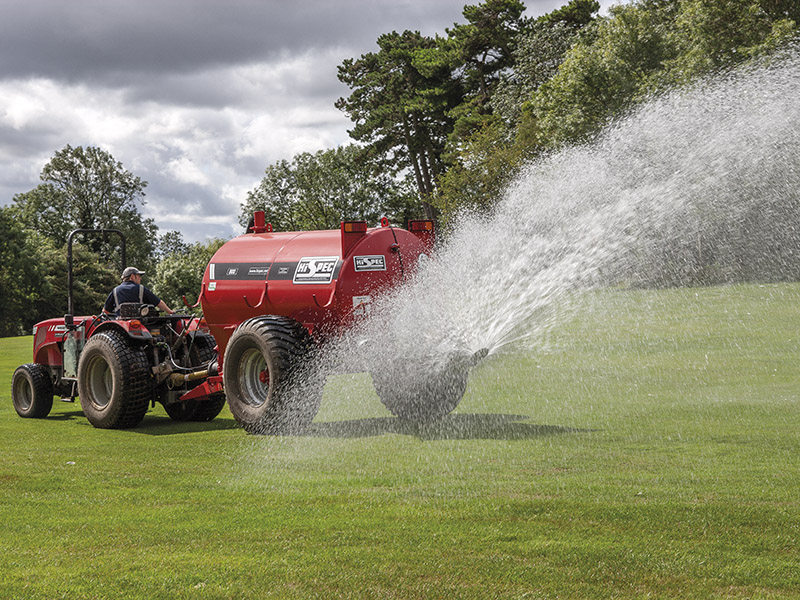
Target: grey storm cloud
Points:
(197, 97)
(105, 40)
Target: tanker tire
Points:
(202, 352)
(270, 383)
(196, 410)
(207, 410)
(115, 382)
(32, 391)
(422, 397)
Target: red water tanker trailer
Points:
(270, 300)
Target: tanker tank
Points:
(273, 299)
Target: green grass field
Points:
(650, 450)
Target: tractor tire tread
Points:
(136, 382)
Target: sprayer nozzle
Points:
(478, 356)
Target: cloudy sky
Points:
(196, 97)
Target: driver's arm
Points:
(162, 306)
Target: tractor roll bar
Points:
(69, 259)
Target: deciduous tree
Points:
(181, 272)
(646, 47)
(22, 278)
(86, 188)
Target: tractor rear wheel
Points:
(115, 383)
(269, 380)
(32, 391)
(418, 395)
(202, 352)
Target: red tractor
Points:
(270, 300)
(119, 367)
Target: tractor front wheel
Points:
(32, 391)
(269, 380)
(115, 383)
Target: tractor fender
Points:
(133, 328)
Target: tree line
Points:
(440, 124)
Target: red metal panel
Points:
(302, 275)
(211, 386)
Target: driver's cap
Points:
(131, 271)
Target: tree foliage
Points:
(170, 242)
(22, 279)
(33, 282)
(646, 47)
(483, 164)
(400, 104)
(484, 49)
(425, 103)
(487, 163)
(92, 281)
(318, 191)
(573, 72)
(539, 51)
(180, 273)
(83, 188)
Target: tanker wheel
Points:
(196, 410)
(269, 380)
(418, 395)
(202, 352)
(32, 391)
(114, 381)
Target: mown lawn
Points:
(650, 450)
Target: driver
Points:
(132, 290)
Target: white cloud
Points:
(186, 171)
(20, 109)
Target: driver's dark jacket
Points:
(128, 291)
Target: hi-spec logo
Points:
(370, 263)
(315, 269)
